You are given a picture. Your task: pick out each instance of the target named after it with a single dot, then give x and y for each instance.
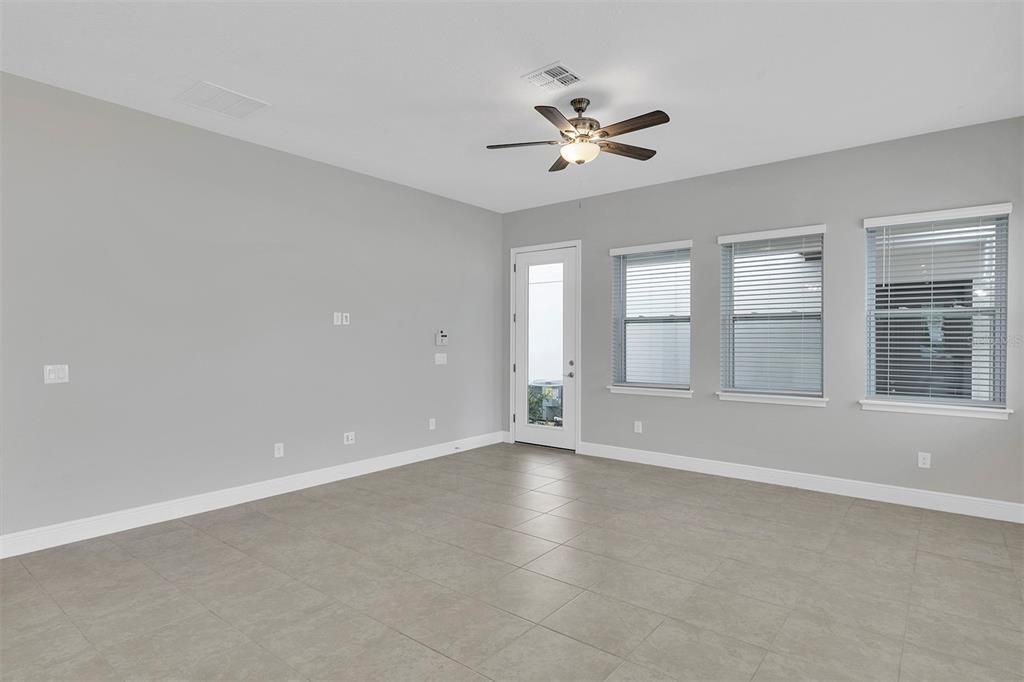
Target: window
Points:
(651, 316)
(771, 313)
(936, 307)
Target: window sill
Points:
(650, 390)
(773, 399)
(938, 410)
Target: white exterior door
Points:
(545, 364)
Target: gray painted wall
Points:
(189, 280)
(963, 167)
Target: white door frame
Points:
(576, 244)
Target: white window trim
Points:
(874, 405)
(935, 216)
(772, 399)
(650, 390)
(651, 248)
(771, 234)
(640, 389)
(1001, 413)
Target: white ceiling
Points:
(411, 92)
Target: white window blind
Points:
(651, 317)
(936, 306)
(771, 312)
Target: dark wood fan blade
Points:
(559, 164)
(555, 116)
(522, 144)
(651, 118)
(627, 150)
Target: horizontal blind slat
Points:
(651, 318)
(936, 299)
(771, 312)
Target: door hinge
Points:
(513, 418)
(513, 366)
(513, 267)
(513, 318)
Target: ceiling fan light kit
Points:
(580, 152)
(583, 138)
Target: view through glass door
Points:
(545, 343)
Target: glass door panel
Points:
(544, 345)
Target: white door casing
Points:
(545, 345)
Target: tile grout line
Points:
(650, 505)
(906, 622)
(468, 595)
(603, 596)
(70, 620)
(205, 606)
(770, 649)
(533, 624)
(627, 562)
(524, 567)
(332, 599)
(664, 616)
(790, 609)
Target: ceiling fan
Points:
(583, 138)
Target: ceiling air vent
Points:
(553, 77)
(204, 95)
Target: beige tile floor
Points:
(520, 563)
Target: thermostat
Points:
(441, 338)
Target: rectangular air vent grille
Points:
(213, 97)
(553, 77)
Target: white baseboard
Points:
(506, 437)
(881, 492)
(33, 539)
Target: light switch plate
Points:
(432, 423)
(350, 437)
(638, 427)
(341, 319)
(56, 374)
(278, 449)
(440, 358)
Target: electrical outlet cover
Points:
(56, 374)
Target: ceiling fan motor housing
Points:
(584, 125)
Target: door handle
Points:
(571, 374)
